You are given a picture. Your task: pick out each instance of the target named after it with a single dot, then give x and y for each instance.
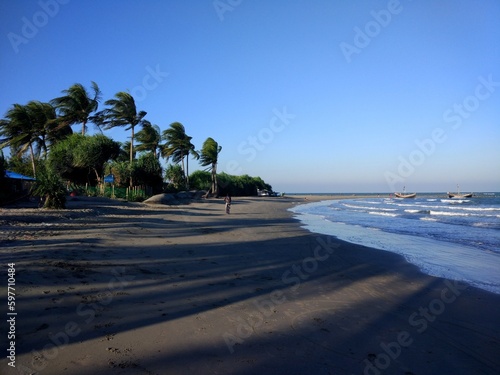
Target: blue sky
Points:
(313, 96)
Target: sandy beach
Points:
(109, 287)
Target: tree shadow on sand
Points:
(293, 303)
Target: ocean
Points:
(458, 239)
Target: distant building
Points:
(17, 184)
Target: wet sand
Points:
(108, 287)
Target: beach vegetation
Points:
(124, 154)
(81, 159)
(178, 147)
(244, 185)
(200, 180)
(77, 105)
(149, 139)
(148, 171)
(3, 165)
(208, 157)
(40, 135)
(21, 163)
(50, 188)
(29, 128)
(122, 112)
(120, 170)
(175, 177)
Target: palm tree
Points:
(123, 112)
(149, 138)
(77, 105)
(178, 146)
(208, 157)
(45, 117)
(124, 154)
(29, 127)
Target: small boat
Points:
(404, 194)
(457, 195)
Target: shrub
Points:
(200, 180)
(49, 186)
(240, 185)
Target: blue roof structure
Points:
(18, 176)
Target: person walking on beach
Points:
(228, 203)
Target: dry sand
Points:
(108, 287)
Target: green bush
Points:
(200, 180)
(50, 187)
(244, 185)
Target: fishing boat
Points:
(404, 194)
(401, 195)
(457, 195)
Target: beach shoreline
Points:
(114, 287)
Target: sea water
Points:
(457, 239)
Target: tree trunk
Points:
(131, 155)
(97, 176)
(33, 160)
(215, 186)
(131, 145)
(187, 172)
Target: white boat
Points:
(457, 195)
(404, 194)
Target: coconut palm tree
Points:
(123, 112)
(77, 104)
(124, 154)
(149, 138)
(178, 146)
(208, 157)
(29, 127)
(45, 117)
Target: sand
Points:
(108, 287)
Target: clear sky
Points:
(313, 96)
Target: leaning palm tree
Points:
(149, 138)
(44, 116)
(178, 146)
(77, 104)
(27, 127)
(123, 112)
(208, 157)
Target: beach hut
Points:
(17, 183)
